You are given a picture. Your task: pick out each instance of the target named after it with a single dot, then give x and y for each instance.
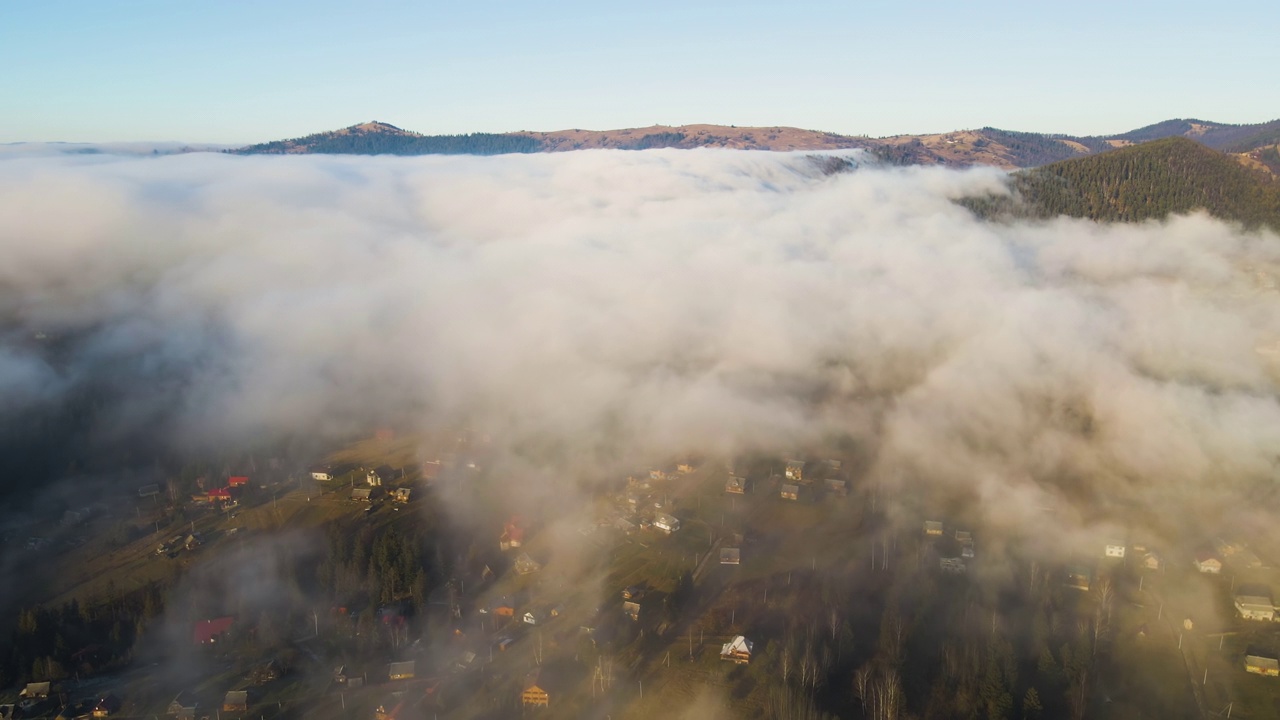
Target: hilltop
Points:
(1142, 182)
(1252, 144)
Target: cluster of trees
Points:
(656, 140)
(1142, 182)
(379, 143)
(368, 568)
(57, 642)
(1032, 149)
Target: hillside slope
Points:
(1141, 182)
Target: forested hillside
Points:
(382, 139)
(1142, 182)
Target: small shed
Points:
(236, 701)
(631, 609)
(401, 670)
(1262, 665)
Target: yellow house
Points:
(533, 695)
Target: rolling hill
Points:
(1141, 182)
(986, 146)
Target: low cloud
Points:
(631, 306)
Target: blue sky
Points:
(234, 72)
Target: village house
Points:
(952, 566)
(106, 706)
(1206, 562)
(657, 474)
(532, 617)
(207, 632)
(1113, 550)
(1151, 560)
(322, 473)
(236, 701)
(666, 523)
(1252, 605)
(533, 695)
(795, 470)
(737, 650)
(730, 556)
(736, 485)
(1262, 665)
(1079, 577)
(525, 564)
(933, 528)
(35, 690)
(237, 481)
(686, 467)
(400, 495)
(512, 535)
(790, 492)
(837, 487)
(401, 670)
(631, 609)
(362, 494)
(633, 592)
(183, 706)
(389, 707)
(219, 495)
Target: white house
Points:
(1114, 551)
(737, 650)
(666, 523)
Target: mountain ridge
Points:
(1008, 149)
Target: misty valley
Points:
(610, 434)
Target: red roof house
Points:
(219, 494)
(238, 481)
(208, 631)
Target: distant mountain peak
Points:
(377, 126)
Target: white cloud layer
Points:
(661, 301)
